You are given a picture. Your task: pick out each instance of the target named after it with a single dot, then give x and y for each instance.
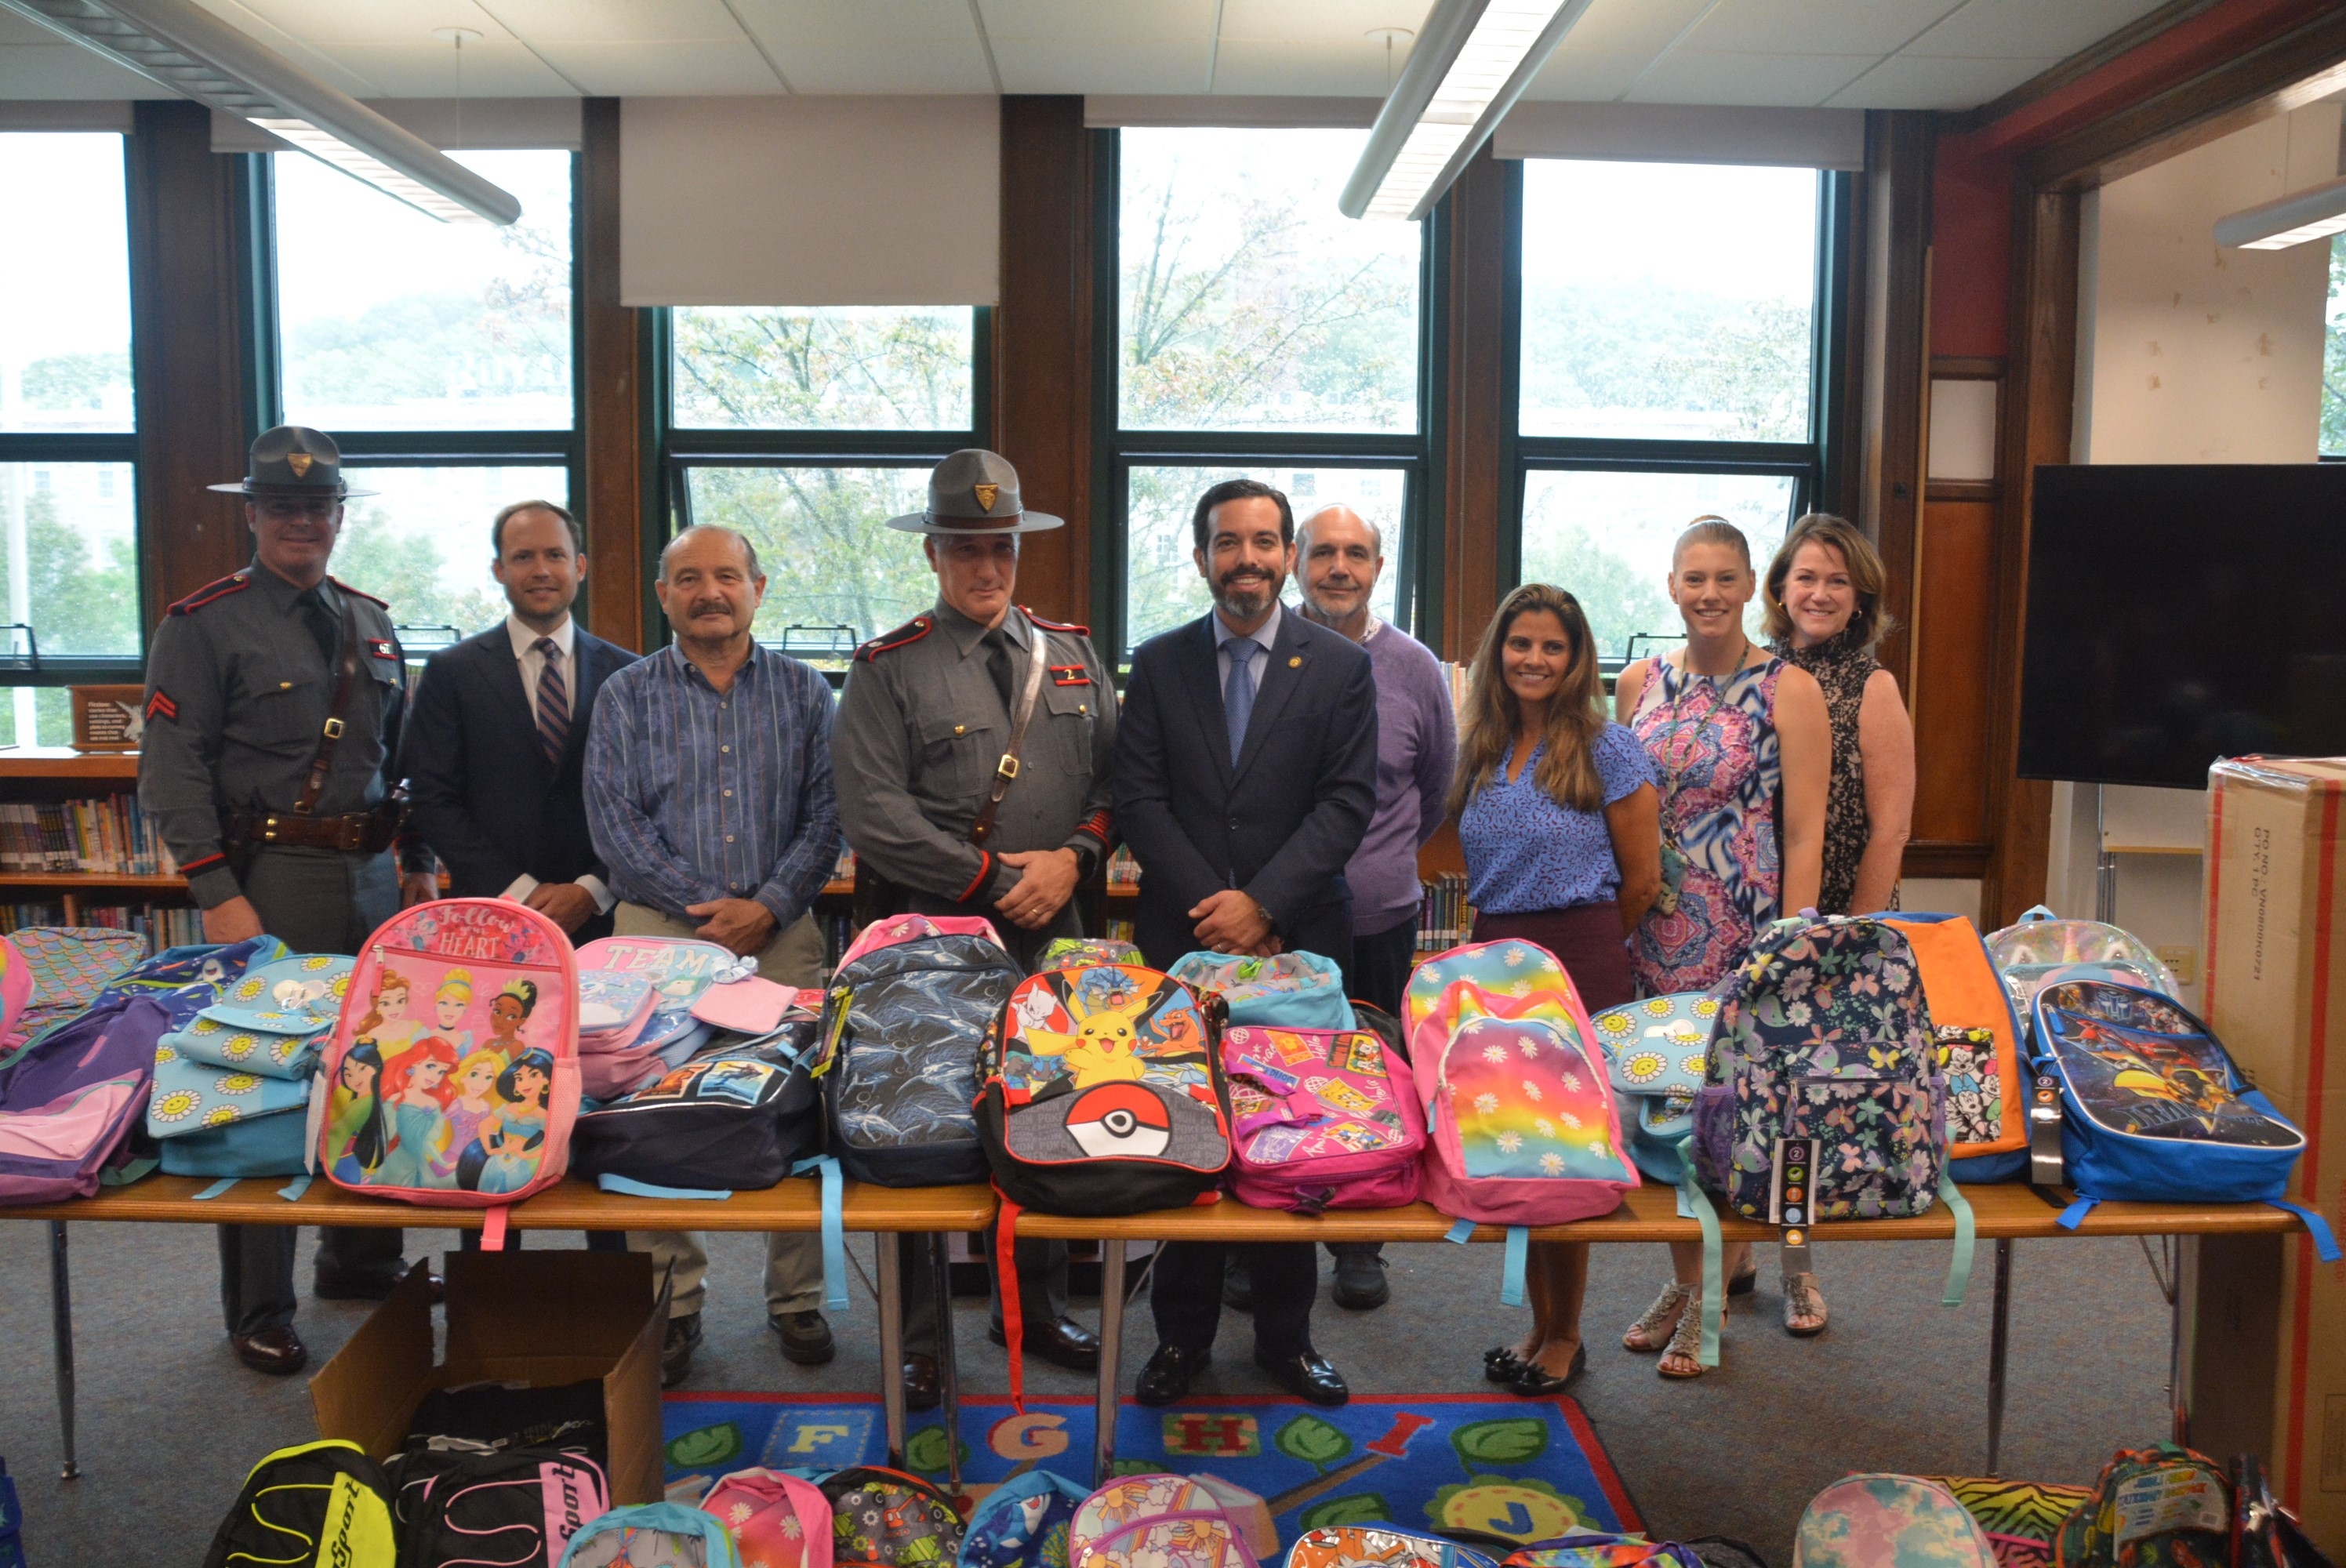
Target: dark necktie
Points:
(553, 701)
(1238, 691)
(997, 663)
(320, 620)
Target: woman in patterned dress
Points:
(1742, 744)
(1556, 815)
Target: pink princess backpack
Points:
(1320, 1119)
(1520, 1121)
(453, 1078)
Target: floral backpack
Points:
(1866, 1521)
(777, 1519)
(886, 1519)
(453, 1079)
(1165, 1520)
(1824, 1098)
(1320, 1119)
(1520, 1121)
(1656, 1053)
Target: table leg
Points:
(891, 1344)
(948, 1359)
(2178, 1338)
(1999, 1346)
(1111, 1337)
(61, 1328)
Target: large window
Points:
(441, 358)
(69, 500)
(2333, 356)
(806, 430)
(1673, 320)
(1259, 333)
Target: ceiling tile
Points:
(291, 39)
(625, 21)
(866, 21)
(357, 21)
(1290, 70)
(66, 71)
(1774, 81)
(502, 69)
(665, 69)
(1586, 76)
(2028, 29)
(1807, 27)
(1324, 22)
(883, 68)
(1038, 66)
(1099, 21)
(1906, 82)
(1635, 27)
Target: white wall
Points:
(2190, 353)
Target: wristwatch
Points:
(1087, 861)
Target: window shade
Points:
(1672, 133)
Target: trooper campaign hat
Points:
(293, 460)
(975, 491)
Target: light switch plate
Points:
(2183, 961)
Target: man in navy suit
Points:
(1246, 774)
(496, 745)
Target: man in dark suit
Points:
(1246, 774)
(497, 746)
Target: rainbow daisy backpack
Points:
(453, 1078)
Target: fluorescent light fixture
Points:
(2314, 214)
(1474, 59)
(194, 53)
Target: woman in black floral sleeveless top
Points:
(1823, 598)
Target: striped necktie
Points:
(553, 701)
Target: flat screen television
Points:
(2179, 613)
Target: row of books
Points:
(1444, 917)
(163, 926)
(1123, 871)
(106, 834)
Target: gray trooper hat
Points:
(293, 460)
(975, 491)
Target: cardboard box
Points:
(539, 1317)
(2269, 1319)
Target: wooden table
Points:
(2003, 1214)
(574, 1205)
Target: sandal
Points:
(1745, 1283)
(1534, 1380)
(1672, 1303)
(1503, 1365)
(1685, 1344)
(1803, 1299)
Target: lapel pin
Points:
(1296, 662)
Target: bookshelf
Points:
(54, 775)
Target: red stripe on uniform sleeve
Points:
(192, 867)
(984, 872)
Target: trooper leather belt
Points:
(359, 832)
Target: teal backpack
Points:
(652, 1532)
(1654, 1053)
(1023, 1523)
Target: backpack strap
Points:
(1959, 1268)
(1013, 1311)
(2325, 1246)
(292, 1190)
(216, 1188)
(1510, 1277)
(834, 1229)
(2075, 1215)
(1692, 1198)
(492, 1227)
(610, 1181)
(2033, 913)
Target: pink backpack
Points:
(774, 1518)
(453, 1078)
(1320, 1119)
(912, 928)
(1519, 1107)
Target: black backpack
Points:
(518, 1508)
(736, 1118)
(314, 1505)
(902, 1029)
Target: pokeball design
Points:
(1119, 1120)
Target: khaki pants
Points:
(793, 1259)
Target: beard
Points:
(1245, 601)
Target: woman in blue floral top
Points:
(1557, 815)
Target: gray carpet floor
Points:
(169, 1422)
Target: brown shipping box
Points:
(2269, 1317)
(537, 1317)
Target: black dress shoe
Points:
(276, 1352)
(806, 1337)
(682, 1338)
(1167, 1377)
(1532, 1382)
(1361, 1284)
(1063, 1342)
(921, 1383)
(1306, 1375)
(1502, 1365)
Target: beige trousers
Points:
(793, 1259)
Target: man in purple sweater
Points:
(1340, 556)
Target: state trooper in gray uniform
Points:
(274, 698)
(952, 809)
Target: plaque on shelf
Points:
(108, 717)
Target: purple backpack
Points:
(68, 1104)
(1320, 1119)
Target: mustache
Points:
(710, 607)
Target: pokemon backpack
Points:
(453, 1078)
(1167, 1521)
(1656, 1054)
(664, 1535)
(1320, 1119)
(775, 1518)
(1021, 1523)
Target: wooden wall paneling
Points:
(1955, 643)
(611, 508)
(1896, 242)
(188, 241)
(1043, 341)
(1477, 489)
(2039, 404)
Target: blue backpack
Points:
(232, 1086)
(1021, 1523)
(2153, 1109)
(1655, 1052)
(1287, 991)
(612, 1537)
(12, 1520)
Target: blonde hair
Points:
(1857, 556)
(1712, 529)
(1575, 714)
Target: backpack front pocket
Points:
(1875, 1154)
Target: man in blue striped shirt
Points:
(708, 796)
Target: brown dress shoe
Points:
(276, 1352)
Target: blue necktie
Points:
(1238, 692)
